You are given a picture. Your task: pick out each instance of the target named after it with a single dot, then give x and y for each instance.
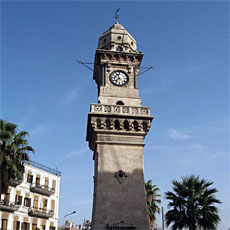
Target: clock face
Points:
(119, 78)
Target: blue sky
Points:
(48, 94)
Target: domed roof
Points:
(117, 38)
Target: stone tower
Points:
(117, 126)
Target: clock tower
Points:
(117, 126)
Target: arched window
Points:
(108, 123)
(126, 125)
(98, 123)
(120, 103)
(135, 125)
(119, 48)
(117, 125)
(144, 125)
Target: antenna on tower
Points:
(116, 15)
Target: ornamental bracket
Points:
(120, 175)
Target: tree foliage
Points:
(192, 204)
(14, 151)
(152, 198)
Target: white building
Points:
(34, 203)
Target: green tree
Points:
(193, 204)
(152, 198)
(14, 150)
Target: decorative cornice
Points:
(119, 124)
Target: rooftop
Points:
(43, 167)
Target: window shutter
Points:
(20, 200)
(4, 224)
(29, 203)
(46, 182)
(52, 205)
(54, 184)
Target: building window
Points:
(18, 200)
(46, 183)
(52, 228)
(27, 202)
(119, 103)
(34, 226)
(25, 226)
(4, 224)
(126, 125)
(98, 123)
(35, 203)
(43, 227)
(117, 124)
(119, 48)
(7, 198)
(54, 185)
(17, 225)
(135, 126)
(30, 178)
(107, 123)
(52, 205)
(45, 205)
(37, 181)
(145, 127)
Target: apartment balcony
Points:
(8, 206)
(40, 212)
(41, 189)
(15, 182)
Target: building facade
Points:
(32, 204)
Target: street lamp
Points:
(69, 214)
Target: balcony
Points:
(8, 206)
(40, 212)
(15, 182)
(41, 189)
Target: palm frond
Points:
(192, 204)
(14, 150)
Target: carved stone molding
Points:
(119, 130)
(119, 109)
(117, 139)
(109, 123)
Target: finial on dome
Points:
(116, 15)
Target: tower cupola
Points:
(117, 38)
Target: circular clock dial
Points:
(119, 78)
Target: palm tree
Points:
(152, 198)
(13, 152)
(193, 205)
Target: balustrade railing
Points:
(8, 205)
(40, 212)
(43, 167)
(120, 109)
(42, 189)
